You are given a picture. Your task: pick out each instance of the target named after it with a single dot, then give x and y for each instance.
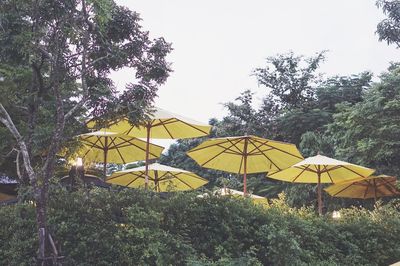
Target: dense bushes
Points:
(131, 227)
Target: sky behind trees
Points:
(217, 44)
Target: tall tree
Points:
(55, 61)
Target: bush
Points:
(131, 227)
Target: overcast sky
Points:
(218, 43)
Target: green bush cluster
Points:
(134, 227)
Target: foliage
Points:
(131, 227)
(368, 132)
(389, 28)
(291, 78)
(298, 107)
(55, 63)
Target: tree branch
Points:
(7, 121)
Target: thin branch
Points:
(73, 109)
(17, 165)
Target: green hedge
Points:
(133, 227)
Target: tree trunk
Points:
(41, 222)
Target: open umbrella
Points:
(162, 178)
(231, 192)
(366, 188)
(321, 169)
(111, 147)
(162, 125)
(245, 155)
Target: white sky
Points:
(218, 43)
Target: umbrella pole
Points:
(245, 168)
(105, 158)
(319, 194)
(146, 181)
(156, 181)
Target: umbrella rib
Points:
(326, 170)
(166, 129)
(93, 144)
(241, 163)
(117, 149)
(229, 150)
(176, 120)
(309, 169)
(328, 173)
(193, 126)
(87, 151)
(377, 190)
(239, 151)
(220, 153)
(140, 148)
(342, 189)
(160, 178)
(176, 176)
(130, 182)
(210, 145)
(278, 149)
(124, 143)
(389, 186)
(352, 171)
(193, 175)
(263, 154)
(304, 169)
(116, 176)
(366, 191)
(130, 129)
(161, 122)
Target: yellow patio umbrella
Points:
(321, 169)
(162, 124)
(111, 147)
(232, 192)
(366, 188)
(245, 154)
(162, 178)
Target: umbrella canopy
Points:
(111, 147)
(231, 192)
(366, 188)
(162, 125)
(321, 169)
(245, 154)
(162, 178)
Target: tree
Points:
(56, 57)
(368, 132)
(242, 118)
(291, 79)
(389, 29)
